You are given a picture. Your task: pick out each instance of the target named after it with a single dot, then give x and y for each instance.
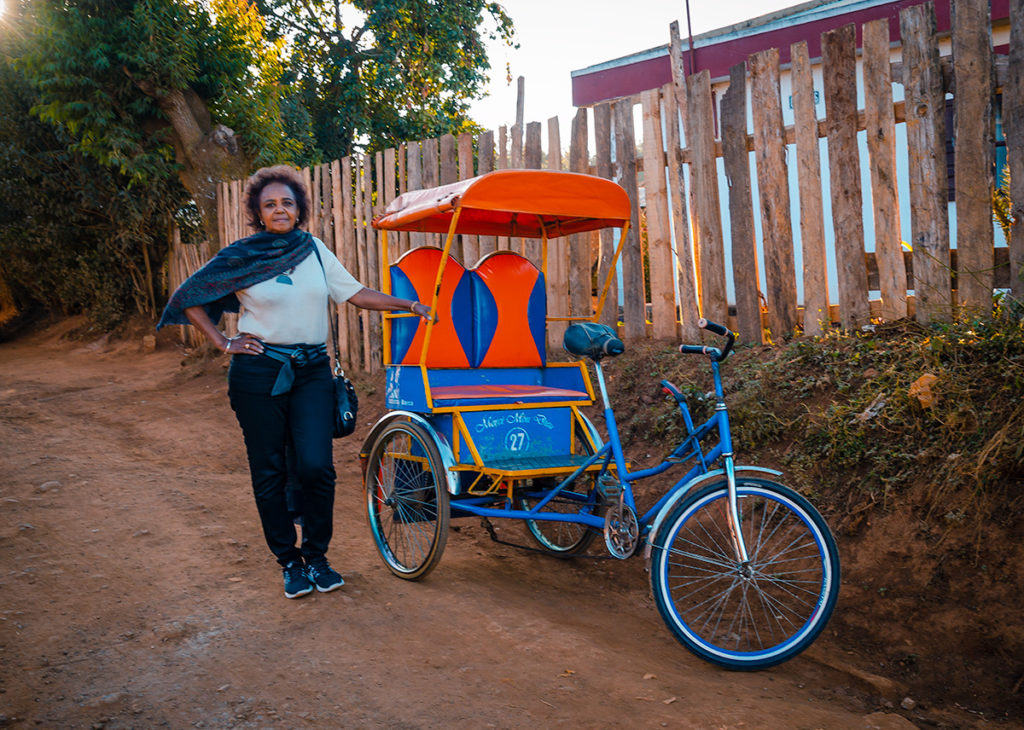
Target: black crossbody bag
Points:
(346, 403)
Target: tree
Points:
(372, 73)
(156, 88)
(74, 235)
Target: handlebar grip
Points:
(719, 330)
(695, 349)
(707, 324)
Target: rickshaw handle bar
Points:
(713, 352)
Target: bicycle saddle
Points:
(593, 340)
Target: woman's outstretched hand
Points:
(421, 310)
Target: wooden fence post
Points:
(390, 186)
(431, 179)
(880, 121)
(375, 341)
(926, 142)
(745, 272)
(974, 155)
(839, 62)
(516, 160)
(414, 168)
(579, 281)
(362, 252)
(633, 315)
(689, 310)
(812, 218)
(402, 187)
(700, 139)
(532, 156)
(337, 244)
(1013, 126)
(554, 145)
(450, 174)
(485, 162)
(557, 281)
(603, 152)
(773, 190)
(350, 260)
(470, 243)
(659, 237)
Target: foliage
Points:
(1002, 207)
(372, 73)
(101, 68)
(73, 236)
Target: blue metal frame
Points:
(611, 454)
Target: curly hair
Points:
(284, 174)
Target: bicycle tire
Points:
(406, 500)
(753, 618)
(565, 539)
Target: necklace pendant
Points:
(284, 279)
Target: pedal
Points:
(609, 487)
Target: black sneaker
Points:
(295, 581)
(323, 576)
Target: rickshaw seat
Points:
(488, 345)
(509, 311)
(413, 277)
(490, 394)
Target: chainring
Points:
(621, 531)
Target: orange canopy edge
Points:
(521, 203)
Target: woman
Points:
(279, 383)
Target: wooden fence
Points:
(676, 168)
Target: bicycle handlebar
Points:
(713, 352)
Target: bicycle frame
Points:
(611, 454)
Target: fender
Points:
(595, 436)
(443, 447)
(685, 491)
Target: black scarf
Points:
(245, 262)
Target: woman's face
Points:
(278, 208)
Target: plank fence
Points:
(675, 174)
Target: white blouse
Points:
(292, 308)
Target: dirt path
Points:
(136, 591)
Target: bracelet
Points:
(412, 307)
(227, 344)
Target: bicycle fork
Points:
(725, 438)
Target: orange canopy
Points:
(522, 203)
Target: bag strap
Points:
(338, 372)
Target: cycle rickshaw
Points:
(744, 570)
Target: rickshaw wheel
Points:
(562, 539)
(406, 500)
(565, 539)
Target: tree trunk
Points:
(208, 153)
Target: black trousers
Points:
(301, 419)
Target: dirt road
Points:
(136, 591)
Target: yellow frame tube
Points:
(437, 288)
(385, 286)
(465, 437)
(611, 273)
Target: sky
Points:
(557, 37)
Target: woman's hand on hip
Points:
(243, 344)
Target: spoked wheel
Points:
(406, 500)
(753, 615)
(565, 539)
